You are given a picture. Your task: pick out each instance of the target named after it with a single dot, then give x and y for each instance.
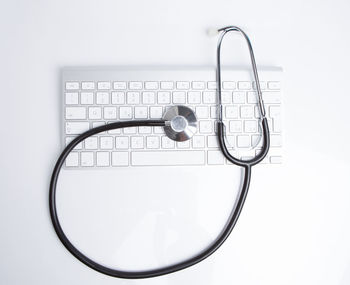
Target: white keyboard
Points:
(97, 96)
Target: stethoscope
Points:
(180, 124)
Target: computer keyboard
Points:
(97, 96)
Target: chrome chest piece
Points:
(181, 123)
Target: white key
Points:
(212, 85)
(75, 113)
(212, 141)
(97, 124)
(102, 98)
(141, 113)
(152, 142)
(91, 143)
(239, 97)
(230, 141)
(243, 141)
(137, 142)
(135, 85)
(87, 159)
(231, 112)
(148, 98)
(88, 85)
(179, 97)
(121, 142)
(151, 85)
(250, 126)
(205, 127)
(119, 85)
(130, 130)
(213, 112)
(95, 113)
(120, 158)
(256, 140)
(263, 85)
(167, 143)
(106, 142)
(76, 128)
(118, 98)
(184, 144)
(226, 97)
(182, 85)
(114, 131)
(168, 158)
(102, 158)
(252, 98)
(78, 146)
(276, 140)
(247, 112)
(72, 98)
(228, 85)
(199, 85)
(110, 113)
(72, 85)
(215, 157)
(125, 113)
(277, 126)
(156, 112)
(235, 126)
(275, 111)
(167, 85)
(194, 97)
(274, 85)
(145, 130)
(271, 97)
(202, 112)
(276, 159)
(87, 98)
(72, 159)
(133, 98)
(244, 85)
(198, 142)
(163, 97)
(209, 97)
(158, 130)
(104, 85)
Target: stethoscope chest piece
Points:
(181, 123)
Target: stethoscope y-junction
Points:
(180, 124)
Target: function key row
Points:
(169, 85)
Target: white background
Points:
(294, 228)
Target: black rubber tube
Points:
(148, 273)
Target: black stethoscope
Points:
(179, 124)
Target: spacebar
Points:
(145, 158)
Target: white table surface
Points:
(298, 223)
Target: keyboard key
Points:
(135, 85)
(104, 85)
(235, 126)
(271, 97)
(151, 85)
(87, 98)
(95, 113)
(247, 112)
(250, 126)
(158, 130)
(194, 97)
(276, 159)
(88, 85)
(148, 98)
(87, 159)
(145, 158)
(130, 130)
(252, 98)
(275, 140)
(75, 113)
(184, 144)
(256, 140)
(238, 97)
(212, 142)
(212, 85)
(199, 85)
(263, 85)
(102, 158)
(106, 142)
(76, 128)
(72, 85)
(163, 97)
(110, 113)
(215, 157)
(243, 141)
(202, 112)
(121, 142)
(91, 143)
(167, 85)
(230, 141)
(277, 126)
(78, 146)
(141, 112)
(119, 85)
(102, 98)
(198, 141)
(72, 159)
(179, 97)
(152, 142)
(118, 98)
(213, 112)
(97, 124)
(244, 85)
(167, 143)
(209, 97)
(274, 85)
(125, 113)
(205, 127)
(120, 158)
(156, 112)
(182, 85)
(228, 85)
(137, 142)
(145, 130)
(133, 98)
(72, 98)
(226, 97)
(231, 112)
